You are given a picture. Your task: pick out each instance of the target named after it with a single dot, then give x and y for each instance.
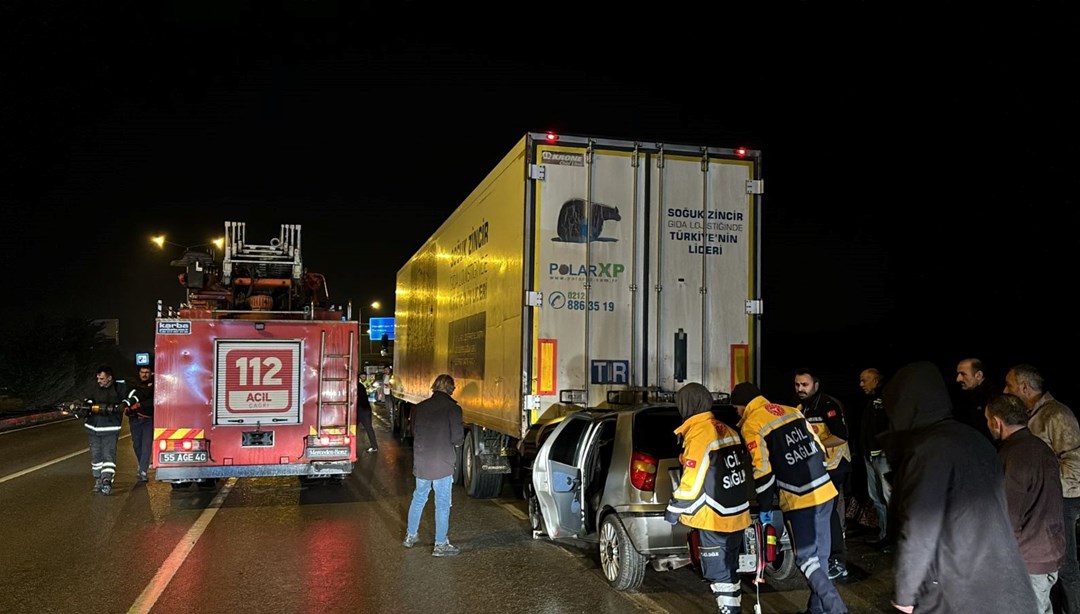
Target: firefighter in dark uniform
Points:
(104, 419)
(788, 459)
(825, 413)
(712, 494)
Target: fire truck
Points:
(256, 372)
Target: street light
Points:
(160, 241)
(375, 305)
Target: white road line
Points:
(145, 602)
(19, 474)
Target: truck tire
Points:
(478, 485)
(394, 415)
(623, 566)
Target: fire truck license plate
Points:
(199, 456)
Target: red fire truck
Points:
(256, 373)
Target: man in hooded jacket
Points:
(712, 494)
(955, 546)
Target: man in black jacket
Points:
(139, 407)
(103, 423)
(437, 432)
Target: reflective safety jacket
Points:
(787, 456)
(826, 416)
(712, 493)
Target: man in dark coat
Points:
(139, 408)
(955, 546)
(976, 390)
(437, 432)
(1033, 492)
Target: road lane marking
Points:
(515, 512)
(145, 602)
(19, 474)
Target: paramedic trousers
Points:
(810, 538)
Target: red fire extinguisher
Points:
(770, 543)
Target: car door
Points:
(557, 477)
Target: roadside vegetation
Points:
(52, 361)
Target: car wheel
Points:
(623, 566)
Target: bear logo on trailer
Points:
(574, 226)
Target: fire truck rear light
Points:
(324, 440)
(348, 440)
(186, 445)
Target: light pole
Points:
(375, 305)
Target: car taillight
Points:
(643, 471)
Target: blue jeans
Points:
(442, 487)
(880, 490)
(810, 530)
(142, 440)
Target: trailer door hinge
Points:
(755, 186)
(755, 306)
(534, 298)
(532, 402)
(537, 172)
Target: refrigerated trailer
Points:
(581, 272)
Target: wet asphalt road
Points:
(270, 545)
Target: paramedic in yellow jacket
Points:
(788, 460)
(712, 495)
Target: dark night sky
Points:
(920, 167)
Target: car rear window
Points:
(654, 433)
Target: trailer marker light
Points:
(741, 152)
(552, 137)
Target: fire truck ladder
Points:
(334, 384)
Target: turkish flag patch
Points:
(691, 463)
(831, 414)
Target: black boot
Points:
(97, 484)
(106, 487)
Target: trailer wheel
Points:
(478, 485)
(783, 567)
(395, 418)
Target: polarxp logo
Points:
(610, 270)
